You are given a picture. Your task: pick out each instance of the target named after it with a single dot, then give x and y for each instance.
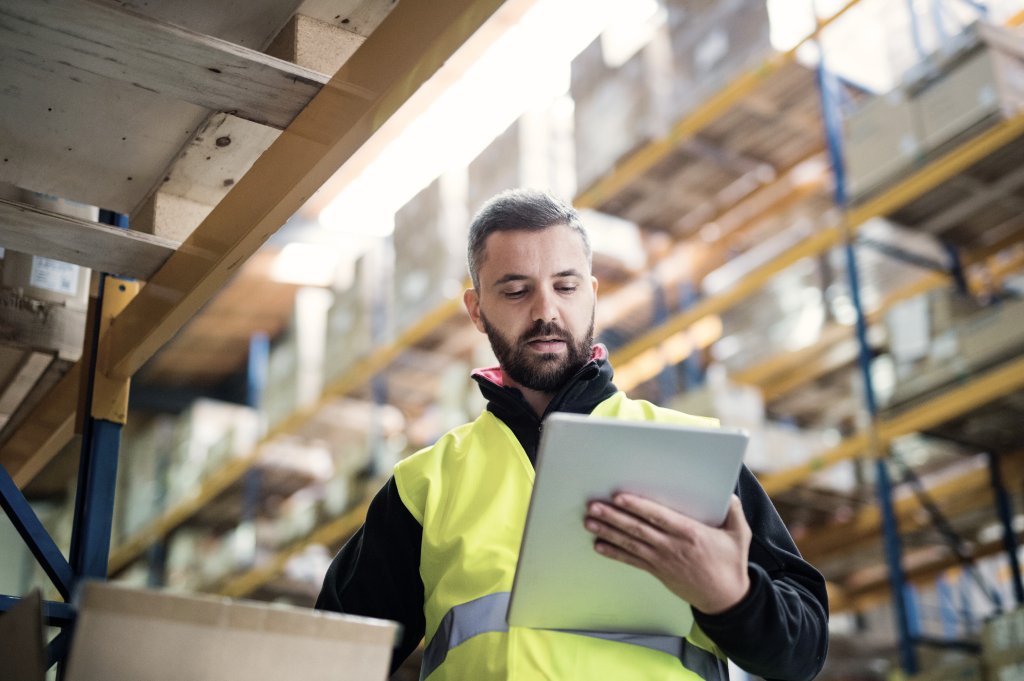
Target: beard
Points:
(545, 372)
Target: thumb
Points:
(734, 518)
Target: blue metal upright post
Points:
(94, 500)
(1006, 520)
(668, 382)
(893, 545)
(693, 365)
(97, 473)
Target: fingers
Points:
(616, 553)
(653, 513)
(621, 529)
(659, 516)
(614, 543)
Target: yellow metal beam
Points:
(877, 592)
(950, 404)
(813, 245)
(925, 179)
(780, 481)
(133, 547)
(763, 373)
(332, 533)
(638, 163)
(379, 360)
(44, 432)
(838, 355)
(972, 487)
(957, 401)
(405, 50)
(938, 171)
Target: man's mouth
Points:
(547, 343)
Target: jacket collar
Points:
(590, 386)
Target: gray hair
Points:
(519, 209)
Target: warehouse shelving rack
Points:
(129, 327)
(877, 443)
(958, 401)
(371, 365)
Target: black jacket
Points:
(778, 631)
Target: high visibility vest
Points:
(470, 492)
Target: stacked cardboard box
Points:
(430, 248)
(349, 319)
(535, 151)
(954, 94)
(695, 49)
(964, 669)
(1002, 643)
(940, 337)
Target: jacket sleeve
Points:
(779, 631)
(376, 573)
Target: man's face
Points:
(536, 305)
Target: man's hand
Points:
(705, 566)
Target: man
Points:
(439, 547)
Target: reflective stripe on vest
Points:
(487, 614)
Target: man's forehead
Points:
(554, 251)
(569, 241)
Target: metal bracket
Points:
(110, 396)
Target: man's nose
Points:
(544, 308)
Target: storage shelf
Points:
(343, 116)
(949, 404)
(905, 191)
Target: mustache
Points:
(546, 330)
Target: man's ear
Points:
(593, 282)
(471, 299)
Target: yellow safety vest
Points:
(470, 492)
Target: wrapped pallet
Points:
(694, 49)
(535, 151)
(430, 242)
(712, 43)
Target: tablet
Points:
(560, 581)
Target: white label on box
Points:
(711, 50)
(909, 329)
(987, 97)
(54, 275)
(908, 144)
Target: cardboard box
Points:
(712, 44)
(1012, 670)
(21, 640)
(960, 670)
(139, 635)
(618, 108)
(1002, 639)
(882, 141)
(430, 248)
(982, 84)
(535, 151)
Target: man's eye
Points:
(565, 289)
(515, 294)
